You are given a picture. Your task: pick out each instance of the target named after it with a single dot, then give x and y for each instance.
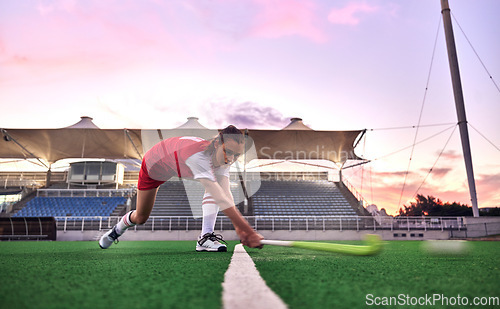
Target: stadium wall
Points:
(479, 227)
(314, 235)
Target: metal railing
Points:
(29, 179)
(290, 223)
(355, 192)
(85, 192)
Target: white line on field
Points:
(244, 288)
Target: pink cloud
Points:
(74, 38)
(279, 18)
(222, 21)
(78, 38)
(259, 18)
(436, 173)
(487, 190)
(451, 155)
(347, 14)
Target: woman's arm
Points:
(226, 186)
(249, 237)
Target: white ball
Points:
(446, 247)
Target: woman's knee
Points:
(139, 218)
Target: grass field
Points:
(307, 279)
(150, 274)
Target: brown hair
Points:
(229, 132)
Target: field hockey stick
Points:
(373, 245)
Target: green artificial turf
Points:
(313, 279)
(148, 274)
(132, 274)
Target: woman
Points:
(192, 158)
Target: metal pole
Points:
(459, 103)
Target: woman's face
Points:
(227, 152)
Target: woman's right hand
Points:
(248, 236)
(251, 239)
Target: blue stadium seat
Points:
(74, 206)
(301, 198)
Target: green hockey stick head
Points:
(372, 246)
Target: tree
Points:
(430, 206)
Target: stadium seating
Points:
(317, 204)
(70, 206)
(172, 200)
(300, 198)
(274, 198)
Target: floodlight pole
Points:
(459, 103)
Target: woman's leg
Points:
(208, 241)
(144, 206)
(145, 203)
(210, 210)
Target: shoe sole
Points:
(203, 249)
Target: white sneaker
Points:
(109, 238)
(211, 242)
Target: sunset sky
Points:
(339, 65)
